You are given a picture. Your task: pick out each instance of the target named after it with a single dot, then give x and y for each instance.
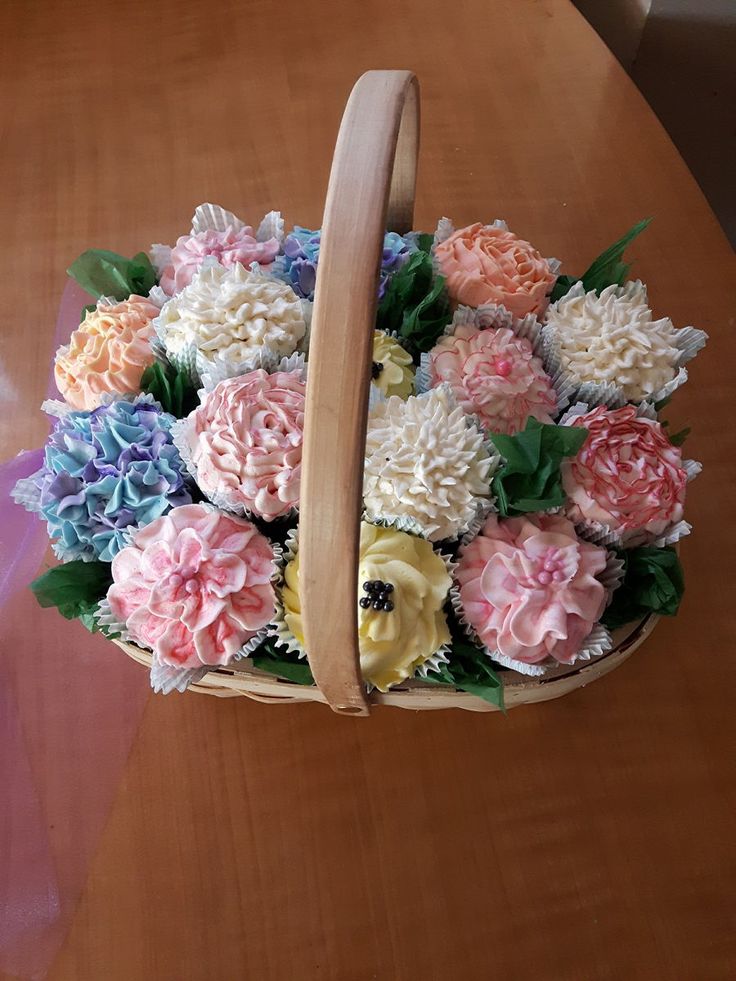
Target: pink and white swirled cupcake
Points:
(627, 478)
(529, 588)
(194, 587)
(495, 376)
(243, 444)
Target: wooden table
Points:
(591, 838)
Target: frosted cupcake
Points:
(495, 376)
(229, 320)
(426, 464)
(243, 444)
(488, 264)
(612, 339)
(392, 371)
(194, 587)
(628, 478)
(402, 588)
(107, 353)
(530, 590)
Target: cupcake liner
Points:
(166, 678)
(160, 256)
(157, 296)
(27, 494)
(211, 217)
(271, 226)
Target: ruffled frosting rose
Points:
(231, 315)
(612, 338)
(528, 588)
(245, 442)
(194, 586)
(107, 353)
(393, 370)
(392, 644)
(489, 264)
(227, 247)
(494, 375)
(627, 476)
(425, 461)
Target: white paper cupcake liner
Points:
(212, 217)
(27, 494)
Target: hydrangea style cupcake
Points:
(194, 587)
(216, 234)
(298, 264)
(426, 465)
(403, 586)
(243, 445)
(489, 264)
(229, 320)
(530, 590)
(494, 375)
(628, 479)
(393, 370)
(612, 338)
(108, 352)
(105, 472)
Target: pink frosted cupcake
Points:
(627, 478)
(495, 376)
(194, 587)
(489, 264)
(528, 589)
(243, 445)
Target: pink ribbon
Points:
(70, 704)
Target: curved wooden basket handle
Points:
(371, 188)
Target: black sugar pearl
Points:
(377, 605)
(376, 369)
(367, 587)
(382, 596)
(388, 606)
(364, 602)
(388, 587)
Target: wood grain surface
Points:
(589, 838)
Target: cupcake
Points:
(612, 339)
(627, 479)
(216, 234)
(298, 264)
(108, 353)
(243, 444)
(194, 587)
(106, 472)
(426, 464)
(489, 264)
(393, 370)
(402, 588)
(495, 376)
(529, 589)
(229, 320)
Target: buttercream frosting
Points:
(612, 338)
(392, 644)
(489, 264)
(393, 371)
(245, 442)
(627, 477)
(227, 247)
(528, 588)
(107, 353)
(494, 375)
(425, 460)
(231, 315)
(194, 586)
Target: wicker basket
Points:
(371, 188)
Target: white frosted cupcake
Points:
(228, 320)
(426, 464)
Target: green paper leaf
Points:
(415, 305)
(530, 478)
(74, 588)
(170, 387)
(608, 269)
(88, 308)
(678, 438)
(653, 583)
(471, 670)
(424, 241)
(300, 673)
(103, 273)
